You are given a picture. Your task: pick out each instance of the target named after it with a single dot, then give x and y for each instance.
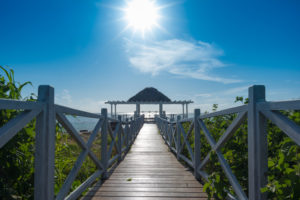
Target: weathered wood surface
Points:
(149, 172)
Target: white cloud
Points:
(85, 104)
(237, 90)
(189, 59)
(205, 95)
(64, 97)
(224, 98)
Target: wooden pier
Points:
(137, 155)
(149, 171)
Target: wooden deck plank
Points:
(153, 185)
(149, 171)
(149, 194)
(147, 189)
(145, 198)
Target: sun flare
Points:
(142, 15)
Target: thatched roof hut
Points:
(149, 94)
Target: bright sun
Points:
(141, 15)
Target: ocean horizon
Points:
(88, 124)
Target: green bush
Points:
(283, 158)
(17, 156)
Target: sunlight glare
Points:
(141, 15)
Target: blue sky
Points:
(209, 51)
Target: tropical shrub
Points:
(283, 158)
(16, 157)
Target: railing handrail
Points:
(46, 112)
(77, 112)
(258, 110)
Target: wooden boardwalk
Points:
(149, 172)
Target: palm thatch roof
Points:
(149, 94)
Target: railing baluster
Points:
(170, 134)
(257, 145)
(130, 131)
(127, 134)
(258, 109)
(178, 137)
(197, 144)
(13, 126)
(104, 152)
(45, 146)
(120, 138)
(167, 133)
(133, 130)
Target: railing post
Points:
(137, 126)
(257, 144)
(127, 133)
(134, 129)
(45, 146)
(130, 132)
(140, 124)
(178, 139)
(120, 138)
(170, 134)
(197, 144)
(104, 156)
(166, 132)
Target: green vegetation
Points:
(66, 154)
(17, 156)
(283, 158)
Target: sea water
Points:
(88, 124)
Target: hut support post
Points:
(111, 110)
(160, 109)
(186, 110)
(138, 109)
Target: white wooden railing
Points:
(257, 111)
(47, 113)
